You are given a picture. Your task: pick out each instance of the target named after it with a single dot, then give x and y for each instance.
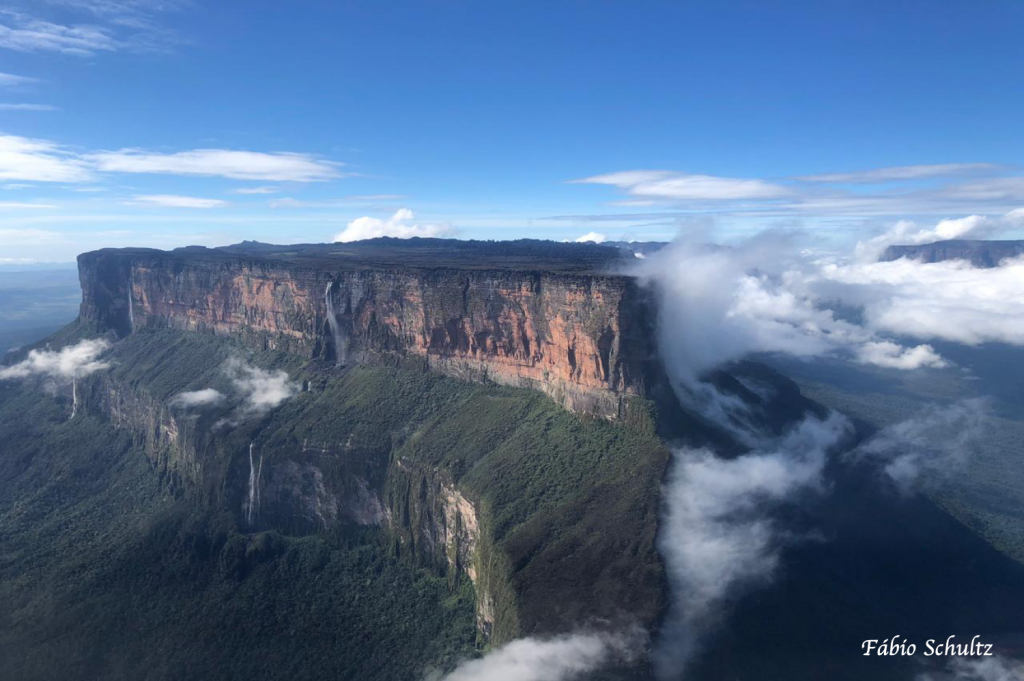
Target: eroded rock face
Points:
(583, 339)
(434, 522)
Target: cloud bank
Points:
(399, 225)
(768, 295)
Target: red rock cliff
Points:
(582, 338)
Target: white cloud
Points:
(1002, 188)
(28, 107)
(257, 190)
(34, 160)
(765, 295)
(555, 659)
(947, 300)
(11, 80)
(717, 536)
(908, 233)
(23, 33)
(895, 356)
(398, 225)
(70, 362)
(658, 184)
(592, 237)
(196, 398)
(901, 173)
(174, 201)
(720, 304)
(237, 165)
(261, 390)
(377, 197)
(931, 447)
(19, 205)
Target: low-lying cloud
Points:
(260, 390)
(928, 449)
(561, 658)
(68, 363)
(767, 295)
(717, 536)
(399, 225)
(197, 398)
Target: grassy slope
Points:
(111, 575)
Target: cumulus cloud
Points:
(928, 449)
(767, 295)
(907, 232)
(895, 356)
(33, 160)
(592, 237)
(237, 165)
(717, 536)
(720, 304)
(175, 201)
(901, 173)
(196, 398)
(261, 390)
(399, 225)
(667, 185)
(948, 300)
(70, 362)
(555, 659)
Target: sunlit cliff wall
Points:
(583, 339)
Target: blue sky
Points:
(138, 122)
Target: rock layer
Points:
(581, 337)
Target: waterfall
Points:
(339, 341)
(253, 508)
(131, 310)
(74, 396)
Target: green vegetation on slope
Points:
(111, 573)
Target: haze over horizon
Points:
(174, 122)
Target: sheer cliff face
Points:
(581, 338)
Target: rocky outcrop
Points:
(581, 337)
(435, 523)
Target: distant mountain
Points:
(980, 253)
